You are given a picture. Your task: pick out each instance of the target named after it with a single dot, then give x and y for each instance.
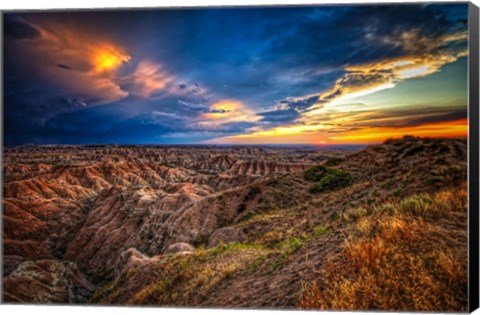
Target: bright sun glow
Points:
(108, 59)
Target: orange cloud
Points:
(89, 62)
(149, 79)
(107, 58)
(91, 66)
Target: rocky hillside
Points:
(86, 205)
(219, 226)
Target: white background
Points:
(59, 4)
(47, 4)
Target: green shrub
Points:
(246, 217)
(290, 245)
(320, 231)
(334, 179)
(294, 244)
(418, 205)
(257, 263)
(327, 178)
(316, 173)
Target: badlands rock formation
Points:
(81, 207)
(210, 226)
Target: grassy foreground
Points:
(399, 256)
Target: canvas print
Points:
(301, 157)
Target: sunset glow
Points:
(107, 59)
(452, 129)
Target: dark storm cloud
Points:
(288, 110)
(345, 35)
(280, 116)
(393, 118)
(416, 117)
(15, 28)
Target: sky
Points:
(293, 75)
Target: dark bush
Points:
(327, 178)
(334, 179)
(242, 207)
(252, 193)
(316, 173)
(414, 149)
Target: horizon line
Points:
(233, 144)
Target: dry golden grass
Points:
(406, 255)
(181, 280)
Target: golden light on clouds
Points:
(365, 91)
(287, 134)
(90, 61)
(360, 80)
(364, 79)
(402, 63)
(108, 58)
(97, 60)
(149, 79)
(415, 71)
(226, 111)
(224, 108)
(290, 130)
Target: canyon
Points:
(214, 226)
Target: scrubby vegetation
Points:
(333, 180)
(316, 173)
(327, 179)
(406, 255)
(183, 280)
(320, 231)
